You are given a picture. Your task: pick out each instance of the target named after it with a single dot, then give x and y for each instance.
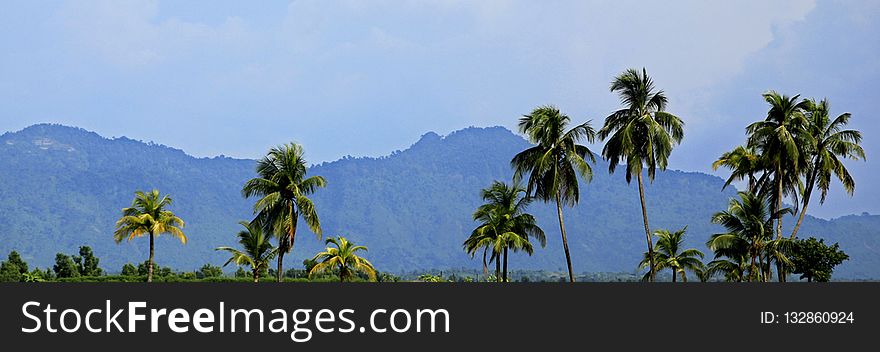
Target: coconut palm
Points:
(642, 134)
(733, 269)
(257, 251)
(670, 255)
(555, 162)
(148, 215)
(749, 236)
(343, 258)
(780, 138)
(283, 189)
(744, 162)
(504, 226)
(831, 144)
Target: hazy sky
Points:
(368, 77)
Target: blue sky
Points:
(368, 77)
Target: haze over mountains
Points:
(62, 187)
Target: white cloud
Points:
(132, 34)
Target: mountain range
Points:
(62, 187)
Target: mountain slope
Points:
(62, 187)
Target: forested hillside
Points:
(62, 187)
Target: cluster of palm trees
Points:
(796, 149)
(282, 188)
(641, 135)
(504, 226)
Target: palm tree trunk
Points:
(280, 260)
(807, 192)
(753, 270)
(752, 183)
(780, 271)
(651, 272)
(498, 268)
(256, 276)
(684, 277)
(504, 274)
(673, 274)
(485, 266)
(291, 238)
(760, 267)
(779, 202)
(564, 238)
(150, 266)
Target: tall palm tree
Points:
(504, 226)
(343, 258)
(831, 144)
(749, 224)
(744, 162)
(780, 138)
(257, 251)
(148, 215)
(283, 189)
(641, 133)
(555, 162)
(669, 255)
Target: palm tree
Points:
(343, 258)
(733, 269)
(504, 226)
(831, 144)
(555, 162)
(779, 138)
(670, 256)
(148, 215)
(642, 133)
(258, 251)
(284, 190)
(749, 236)
(744, 162)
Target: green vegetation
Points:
(284, 190)
(13, 269)
(555, 163)
(748, 246)
(642, 134)
(795, 149)
(670, 255)
(343, 259)
(779, 138)
(209, 271)
(148, 215)
(504, 225)
(258, 252)
(829, 144)
(815, 260)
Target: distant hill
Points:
(62, 187)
